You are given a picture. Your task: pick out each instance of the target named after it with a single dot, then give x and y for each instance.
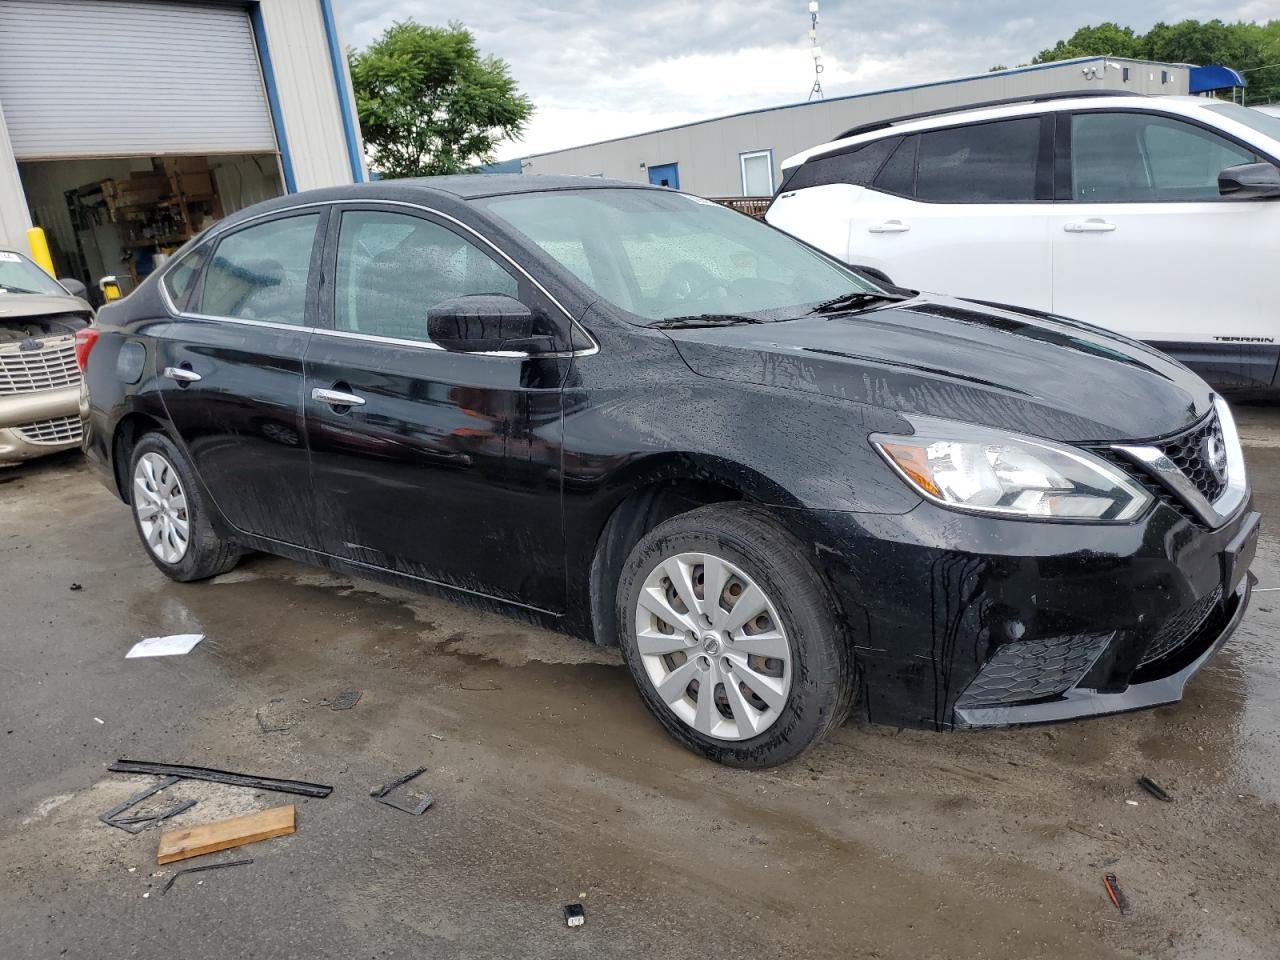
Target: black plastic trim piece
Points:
(299, 787)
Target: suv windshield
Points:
(20, 275)
(661, 254)
(1264, 123)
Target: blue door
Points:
(665, 175)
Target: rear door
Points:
(963, 211)
(443, 466)
(1144, 244)
(230, 370)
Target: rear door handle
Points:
(1092, 225)
(889, 226)
(182, 374)
(336, 398)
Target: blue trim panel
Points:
(273, 97)
(1215, 77)
(1228, 365)
(850, 96)
(345, 95)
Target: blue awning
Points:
(1204, 79)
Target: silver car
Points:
(39, 378)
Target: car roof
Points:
(1184, 105)
(471, 186)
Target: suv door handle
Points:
(889, 226)
(182, 375)
(336, 398)
(1092, 225)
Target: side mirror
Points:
(874, 273)
(75, 287)
(482, 323)
(1250, 181)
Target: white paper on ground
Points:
(179, 643)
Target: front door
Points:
(665, 175)
(426, 468)
(1146, 245)
(230, 373)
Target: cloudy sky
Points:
(606, 68)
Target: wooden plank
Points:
(224, 834)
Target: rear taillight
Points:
(85, 339)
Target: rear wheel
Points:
(732, 638)
(170, 514)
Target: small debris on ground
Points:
(575, 915)
(75, 587)
(1153, 788)
(381, 794)
(136, 824)
(98, 720)
(483, 686)
(224, 834)
(171, 646)
(269, 720)
(1114, 893)
(299, 787)
(208, 866)
(1132, 803)
(345, 700)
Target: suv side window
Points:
(981, 163)
(260, 272)
(393, 266)
(855, 166)
(1139, 157)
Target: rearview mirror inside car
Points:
(483, 323)
(1253, 180)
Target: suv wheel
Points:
(732, 638)
(170, 515)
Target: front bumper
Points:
(39, 423)
(963, 621)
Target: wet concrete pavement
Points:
(552, 781)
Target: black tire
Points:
(208, 554)
(822, 672)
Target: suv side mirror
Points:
(1250, 181)
(75, 287)
(483, 323)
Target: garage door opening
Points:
(122, 217)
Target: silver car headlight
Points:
(987, 470)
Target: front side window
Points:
(981, 163)
(1138, 157)
(260, 272)
(661, 255)
(20, 275)
(393, 266)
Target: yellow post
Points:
(40, 249)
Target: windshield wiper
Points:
(8, 289)
(856, 298)
(703, 320)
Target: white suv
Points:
(1158, 217)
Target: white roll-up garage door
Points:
(109, 78)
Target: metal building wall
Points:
(708, 152)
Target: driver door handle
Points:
(336, 398)
(889, 226)
(1092, 225)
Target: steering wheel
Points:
(688, 282)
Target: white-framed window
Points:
(757, 173)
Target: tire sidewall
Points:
(818, 669)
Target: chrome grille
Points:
(1186, 450)
(29, 371)
(56, 430)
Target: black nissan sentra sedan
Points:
(786, 489)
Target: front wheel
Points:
(732, 638)
(170, 514)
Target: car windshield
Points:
(661, 255)
(20, 275)
(1264, 123)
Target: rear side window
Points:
(393, 266)
(1137, 157)
(898, 175)
(981, 163)
(260, 273)
(855, 167)
(179, 280)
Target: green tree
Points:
(1106, 39)
(429, 103)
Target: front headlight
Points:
(986, 470)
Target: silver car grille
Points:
(30, 371)
(55, 430)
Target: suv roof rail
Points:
(1002, 102)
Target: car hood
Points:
(16, 305)
(1000, 366)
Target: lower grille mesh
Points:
(1033, 669)
(1181, 628)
